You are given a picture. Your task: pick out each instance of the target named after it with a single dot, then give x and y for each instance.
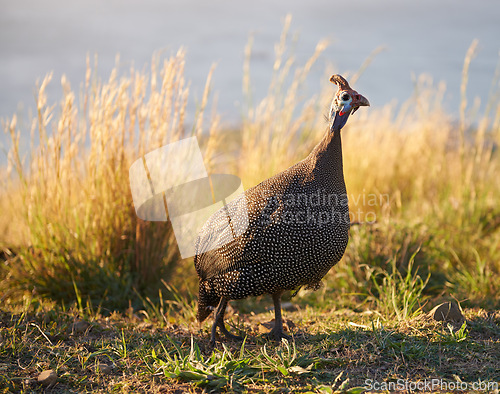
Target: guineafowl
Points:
(298, 228)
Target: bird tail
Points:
(207, 301)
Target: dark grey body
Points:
(298, 229)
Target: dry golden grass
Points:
(70, 196)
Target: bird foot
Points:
(228, 335)
(278, 335)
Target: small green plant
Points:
(459, 335)
(120, 348)
(397, 295)
(286, 360)
(453, 335)
(215, 371)
(340, 385)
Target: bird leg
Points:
(219, 322)
(277, 331)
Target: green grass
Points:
(335, 350)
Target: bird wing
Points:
(262, 205)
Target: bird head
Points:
(346, 102)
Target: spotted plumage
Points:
(298, 228)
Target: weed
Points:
(397, 295)
(453, 335)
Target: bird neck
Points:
(326, 158)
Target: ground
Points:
(333, 350)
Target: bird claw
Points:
(278, 335)
(228, 335)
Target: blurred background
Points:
(425, 37)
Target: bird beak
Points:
(359, 101)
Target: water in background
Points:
(427, 36)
